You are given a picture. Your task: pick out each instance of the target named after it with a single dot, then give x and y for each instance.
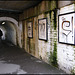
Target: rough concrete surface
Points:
(14, 60)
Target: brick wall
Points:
(66, 53)
(52, 52)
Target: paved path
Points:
(14, 60)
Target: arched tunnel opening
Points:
(9, 31)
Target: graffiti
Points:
(30, 31)
(42, 29)
(66, 28)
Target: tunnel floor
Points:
(14, 60)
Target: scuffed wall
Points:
(50, 51)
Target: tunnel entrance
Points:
(9, 31)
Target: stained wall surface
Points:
(50, 51)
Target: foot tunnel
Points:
(9, 31)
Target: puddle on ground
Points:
(10, 68)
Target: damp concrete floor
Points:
(14, 60)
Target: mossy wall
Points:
(48, 51)
(65, 52)
(39, 48)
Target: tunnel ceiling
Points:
(17, 5)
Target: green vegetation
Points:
(55, 25)
(73, 71)
(53, 56)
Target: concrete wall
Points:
(14, 18)
(16, 25)
(50, 51)
(4, 32)
(11, 32)
(9, 14)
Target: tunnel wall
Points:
(16, 25)
(9, 14)
(13, 17)
(4, 32)
(50, 51)
(11, 33)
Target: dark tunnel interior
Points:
(9, 31)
